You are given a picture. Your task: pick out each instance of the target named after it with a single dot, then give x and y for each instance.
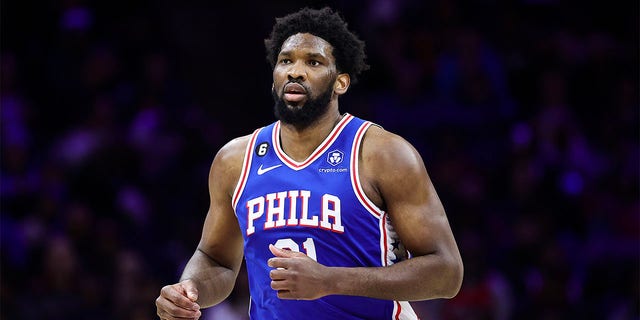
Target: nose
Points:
(296, 71)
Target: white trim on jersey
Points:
(384, 241)
(355, 175)
(328, 141)
(402, 310)
(246, 166)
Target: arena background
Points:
(526, 114)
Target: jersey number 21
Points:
(308, 246)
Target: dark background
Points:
(525, 112)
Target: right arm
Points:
(210, 274)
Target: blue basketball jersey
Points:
(317, 207)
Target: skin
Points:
(395, 180)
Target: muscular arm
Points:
(397, 180)
(394, 177)
(215, 264)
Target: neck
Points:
(299, 143)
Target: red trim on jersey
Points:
(319, 150)
(397, 317)
(245, 168)
(355, 180)
(385, 247)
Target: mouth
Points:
(294, 92)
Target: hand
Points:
(297, 276)
(178, 301)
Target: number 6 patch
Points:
(262, 149)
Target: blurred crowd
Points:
(526, 114)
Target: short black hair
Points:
(326, 24)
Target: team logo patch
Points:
(335, 157)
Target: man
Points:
(335, 217)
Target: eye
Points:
(285, 61)
(314, 63)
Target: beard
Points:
(303, 116)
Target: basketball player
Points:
(335, 217)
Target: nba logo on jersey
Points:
(335, 157)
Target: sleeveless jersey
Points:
(317, 207)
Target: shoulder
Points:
(390, 168)
(227, 164)
(384, 150)
(234, 150)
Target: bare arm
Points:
(398, 181)
(394, 177)
(210, 274)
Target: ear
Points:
(341, 85)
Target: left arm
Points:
(396, 180)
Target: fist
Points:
(178, 301)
